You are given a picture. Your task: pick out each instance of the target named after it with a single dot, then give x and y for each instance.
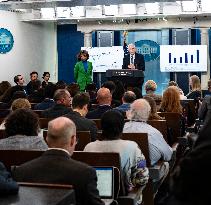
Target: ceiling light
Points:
(128, 9)
(152, 8)
(189, 6)
(77, 11)
(47, 13)
(206, 5)
(63, 12)
(111, 10)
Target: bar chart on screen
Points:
(183, 58)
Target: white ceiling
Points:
(115, 10)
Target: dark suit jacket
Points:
(45, 104)
(7, 185)
(138, 62)
(56, 166)
(56, 111)
(83, 124)
(97, 113)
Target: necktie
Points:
(131, 59)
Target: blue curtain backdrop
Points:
(152, 68)
(69, 43)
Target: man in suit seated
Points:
(56, 166)
(62, 99)
(80, 108)
(104, 99)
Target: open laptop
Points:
(105, 183)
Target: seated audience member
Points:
(37, 95)
(208, 91)
(33, 78)
(20, 103)
(61, 85)
(195, 85)
(119, 91)
(171, 100)
(204, 112)
(48, 101)
(19, 81)
(104, 98)
(73, 89)
(158, 148)
(150, 88)
(4, 86)
(92, 90)
(191, 178)
(182, 96)
(133, 163)
(7, 184)
(137, 92)
(153, 112)
(112, 87)
(171, 103)
(45, 77)
(127, 99)
(21, 129)
(62, 100)
(17, 104)
(80, 108)
(55, 166)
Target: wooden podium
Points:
(129, 78)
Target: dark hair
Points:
(172, 83)
(110, 85)
(119, 90)
(4, 85)
(49, 90)
(112, 123)
(22, 122)
(16, 79)
(82, 52)
(36, 84)
(33, 72)
(129, 97)
(18, 94)
(73, 89)
(137, 92)
(45, 73)
(61, 84)
(80, 99)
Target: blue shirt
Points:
(85, 64)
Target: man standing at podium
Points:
(133, 61)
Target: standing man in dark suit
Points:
(56, 166)
(134, 61)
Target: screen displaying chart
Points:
(183, 58)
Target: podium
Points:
(129, 78)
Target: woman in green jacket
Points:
(83, 70)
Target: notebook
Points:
(105, 183)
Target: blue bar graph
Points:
(197, 54)
(181, 60)
(169, 57)
(191, 58)
(186, 58)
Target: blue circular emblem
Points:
(6, 40)
(150, 49)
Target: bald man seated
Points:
(56, 166)
(104, 99)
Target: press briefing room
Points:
(105, 102)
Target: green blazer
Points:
(81, 76)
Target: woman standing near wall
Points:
(83, 70)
